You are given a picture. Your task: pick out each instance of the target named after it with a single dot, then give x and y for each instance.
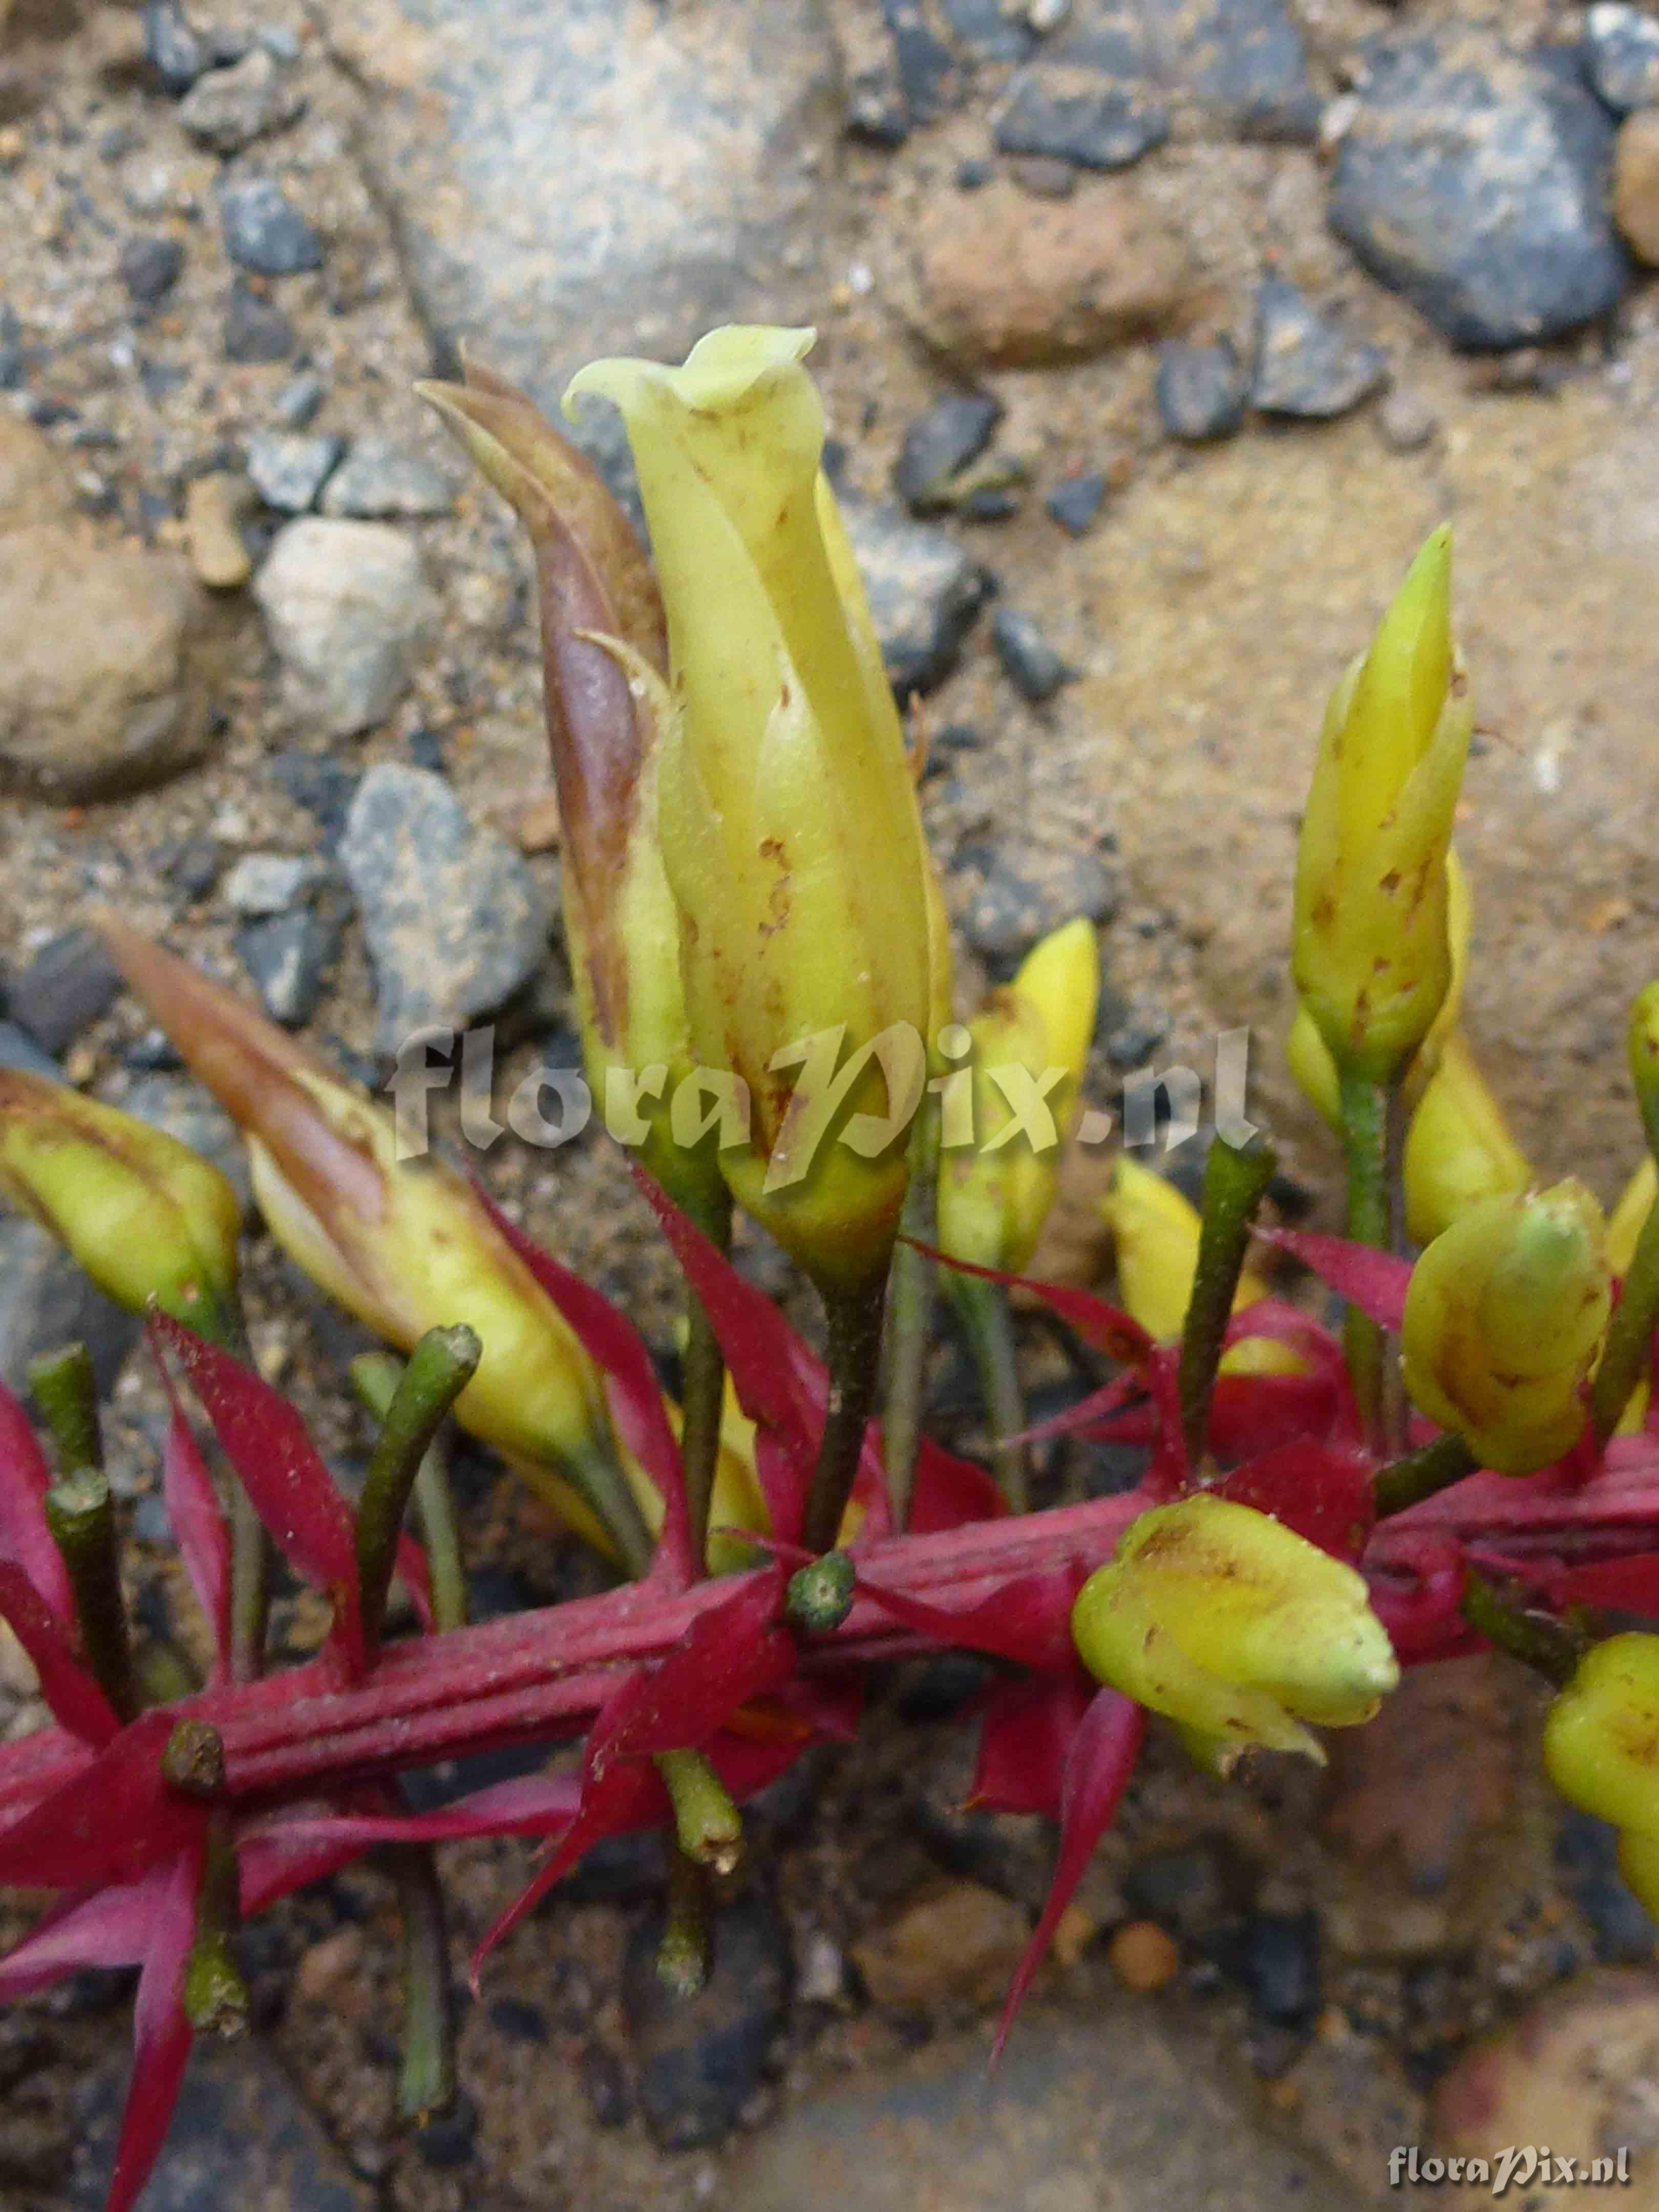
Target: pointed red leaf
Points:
(197, 1519)
(281, 1470)
(112, 1820)
(629, 1796)
(161, 2035)
(109, 1928)
(948, 1492)
(1373, 1281)
(1029, 1621)
(76, 1701)
(732, 1651)
(617, 1349)
(1632, 1584)
(1098, 1765)
(1324, 1494)
(1024, 1735)
(1105, 1327)
(24, 1480)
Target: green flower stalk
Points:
(1237, 1628)
(145, 1215)
(1505, 1315)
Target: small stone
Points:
(296, 405)
(288, 468)
(1474, 181)
(324, 787)
(1003, 280)
(449, 2138)
(954, 431)
(14, 360)
(264, 231)
(268, 882)
(1200, 391)
(1023, 894)
(959, 1944)
(1241, 61)
(1305, 365)
(345, 603)
(974, 173)
(98, 694)
(1635, 183)
(822, 1978)
(176, 53)
(149, 267)
(255, 329)
(519, 2020)
(1029, 661)
(1143, 1957)
(1281, 1967)
(1405, 421)
(452, 917)
(605, 2084)
(377, 479)
(213, 507)
(194, 867)
(1621, 55)
(1191, 1891)
(1076, 501)
(323, 1966)
(1075, 114)
(876, 112)
(69, 983)
(699, 2059)
(924, 593)
(1043, 175)
(287, 955)
(228, 108)
(33, 486)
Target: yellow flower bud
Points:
(786, 819)
(1601, 1735)
(1370, 949)
(405, 1245)
(1236, 1627)
(1458, 1146)
(1155, 1231)
(995, 1194)
(1625, 1222)
(1642, 1042)
(604, 658)
(1504, 1318)
(144, 1215)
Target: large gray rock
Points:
(1475, 182)
(599, 177)
(451, 914)
(345, 603)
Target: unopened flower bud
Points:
(1458, 1146)
(1155, 1232)
(1371, 953)
(1505, 1317)
(1236, 1627)
(1601, 1735)
(144, 1215)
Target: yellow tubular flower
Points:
(1458, 1146)
(787, 821)
(1155, 1232)
(144, 1215)
(1235, 1627)
(995, 1194)
(403, 1245)
(1602, 1737)
(1504, 1318)
(1370, 950)
(605, 655)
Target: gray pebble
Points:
(323, 786)
(1405, 421)
(288, 468)
(1075, 114)
(1076, 501)
(149, 268)
(953, 431)
(296, 405)
(176, 51)
(377, 479)
(14, 361)
(228, 108)
(1029, 661)
(1305, 365)
(194, 867)
(451, 914)
(1475, 182)
(924, 593)
(268, 882)
(1200, 391)
(288, 956)
(344, 603)
(18, 1049)
(876, 111)
(1621, 55)
(255, 329)
(69, 983)
(264, 231)
(1023, 894)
